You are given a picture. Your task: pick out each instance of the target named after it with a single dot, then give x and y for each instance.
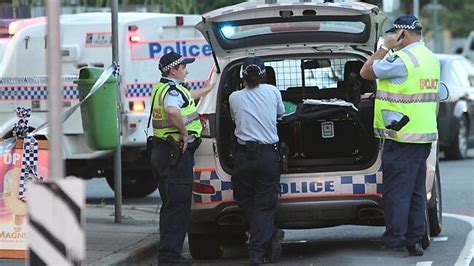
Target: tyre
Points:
(458, 148)
(435, 206)
(205, 246)
(135, 184)
(234, 238)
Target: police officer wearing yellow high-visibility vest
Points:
(405, 118)
(176, 135)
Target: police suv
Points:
(330, 159)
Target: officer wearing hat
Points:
(405, 118)
(256, 176)
(176, 135)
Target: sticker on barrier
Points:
(13, 208)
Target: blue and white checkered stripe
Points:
(361, 184)
(40, 92)
(144, 89)
(223, 188)
(326, 186)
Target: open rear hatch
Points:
(312, 51)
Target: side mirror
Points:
(443, 91)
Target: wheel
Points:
(435, 206)
(426, 240)
(135, 184)
(205, 246)
(458, 149)
(234, 238)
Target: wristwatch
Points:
(384, 47)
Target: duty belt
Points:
(160, 124)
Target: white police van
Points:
(330, 158)
(86, 41)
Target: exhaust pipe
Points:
(230, 219)
(369, 213)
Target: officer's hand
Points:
(183, 142)
(208, 85)
(392, 40)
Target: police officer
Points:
(405, 118)
(176, 135)
(256, 175)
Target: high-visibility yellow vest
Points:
(417, 98)
(162, 127)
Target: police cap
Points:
(173, 59)
(406, 22)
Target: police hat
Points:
(406, 22)
(253, 64)
(173, 59)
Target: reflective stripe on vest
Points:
(406, 137)
(404, 98)
(417, 97)
(166, 123)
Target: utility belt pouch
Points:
(175, 151)
(252, 148)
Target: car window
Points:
(243, 31)
(317, 74)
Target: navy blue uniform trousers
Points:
(404, 192)
(256, 182)
(175, 186)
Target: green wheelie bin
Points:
(99, 111)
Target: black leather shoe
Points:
(415, 250)
(274, 251)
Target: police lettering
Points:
(157, 49)
(428, 84)
(305, 187)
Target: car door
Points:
(470, 97)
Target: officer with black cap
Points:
(176, 135)
(405, 119)
(256, 176)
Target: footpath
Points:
(109, 243)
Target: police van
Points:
(330, 159)
(86, 41)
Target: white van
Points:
(86, 41)
(330, 158)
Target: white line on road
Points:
(424, 263)
(439, 238)
(467, 252)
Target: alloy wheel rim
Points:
(462, 137)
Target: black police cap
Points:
(406, 22)
(173, 59)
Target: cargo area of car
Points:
(332, 132)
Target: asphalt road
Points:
(360, 245)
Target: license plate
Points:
(327, 129)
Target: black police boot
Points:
(415, 250)
(274, 251)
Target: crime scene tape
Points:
(8, 144)
(56, 228)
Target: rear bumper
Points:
(297, 214)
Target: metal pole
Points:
(55, 91)
(416, 8)
(118, 151)
(437, 38)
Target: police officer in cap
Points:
(176, 135)
(405, 118)
(256, 177)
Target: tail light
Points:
(179, 21)
(203, 188)
(135, 38)
(206, 131)
(137, 106)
